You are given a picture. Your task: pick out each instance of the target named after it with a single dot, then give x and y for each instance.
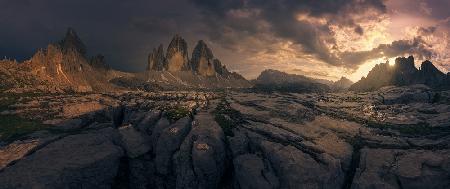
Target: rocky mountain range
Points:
(273, 80)
(203, 70)
(64, 66)
(61, 67)
(403, 73)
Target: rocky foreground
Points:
(391, 138)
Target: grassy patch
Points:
(227, 117)
(225, 123)
(13, 127)
(177, 113)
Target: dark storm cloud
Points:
(281, 17)
(416, 47)
(124, 31)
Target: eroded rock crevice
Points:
(232, 140)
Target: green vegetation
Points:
(13, 127)
(225, 124)
(177, 113)
(227, 117)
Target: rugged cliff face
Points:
(177, 70)
(403, 72)
(202, 60)
(72, 42)
(177, 55)
(63, 66)
(157, 60)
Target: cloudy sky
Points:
(324, 39)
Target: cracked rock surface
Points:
(391, 138)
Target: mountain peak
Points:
(72, 42)
(177, 55)
(403, 73)
(156, 59)
(405, 64)
(202, 59)
(428, 66)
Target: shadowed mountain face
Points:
(273, 80)
(402, 73)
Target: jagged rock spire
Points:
(177, 55)
(156, 59)
(72, 42)
(176, 59)
(202, 60)
(98, 62)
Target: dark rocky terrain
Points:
(403, 73)
(396, 137)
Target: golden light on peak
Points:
(391, 63)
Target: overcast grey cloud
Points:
(241, 32)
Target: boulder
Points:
(134, 142)
(200, 162)
(16, 151)
(89, 160)
(252, 172)
(169, 142)
(388, 168)
(149, 121)
(297, 169)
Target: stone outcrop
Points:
(72, 42)
(202, 60)
(176, 59)
(63, 67)
(177, 55)
(402, 73)
(98, 62)
(220, 69)
(157, 60)
(80, 161)
(387, 168)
